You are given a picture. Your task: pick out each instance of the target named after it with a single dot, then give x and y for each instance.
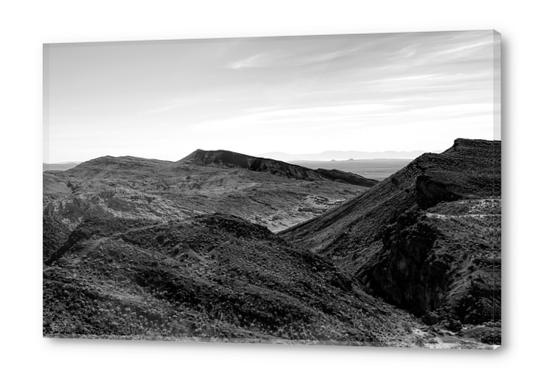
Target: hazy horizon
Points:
(289, 95)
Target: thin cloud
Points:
(256, 60)
(413, 91)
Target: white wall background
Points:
(25, 25)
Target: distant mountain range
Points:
(343, 155)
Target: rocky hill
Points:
(137, 188)
(426, 239)
(224, 158)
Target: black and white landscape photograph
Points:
(327, 189)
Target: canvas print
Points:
(334, 189)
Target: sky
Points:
(295, 95)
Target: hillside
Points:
(213, 277)
(425, 239)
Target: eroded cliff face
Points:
(404, 272)
(442, 263)
(430, 191)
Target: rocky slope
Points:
(210, 277)
(426, 239)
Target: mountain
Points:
(426, 239)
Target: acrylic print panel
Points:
(340, 189)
